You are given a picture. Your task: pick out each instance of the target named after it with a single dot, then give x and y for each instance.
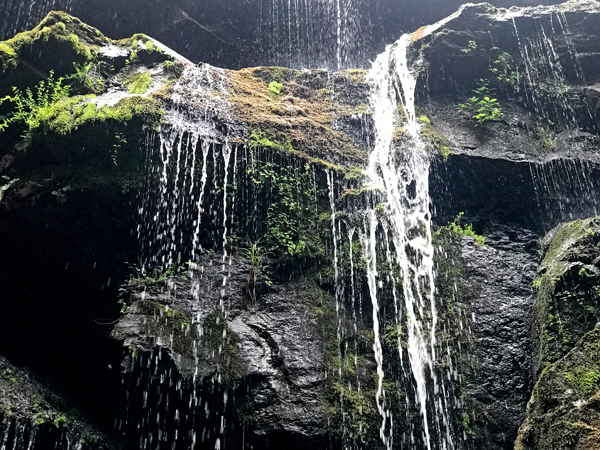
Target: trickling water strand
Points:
(368, 242)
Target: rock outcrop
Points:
(563, 412)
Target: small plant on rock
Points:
(464, 230)
(257, 256)
(60, 422)
(275, 89)
(482, 106)
(32, 108)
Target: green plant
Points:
(425, 120)
(446, 152)
(139, 83)
(464, 230)
(87, 77)
(120, 137)
(489, 110)
(292, 223)
(256, 254)
(133, 56)
(60, 421)
(472, 45)
(482, 106)
(32, 109)
(503, 69)
(156, 275)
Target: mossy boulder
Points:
(568, 300)
(54, 45)
(564, 410)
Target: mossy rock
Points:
(568, 300)
(55, 44)
(564, 410)
(203, 349)
(283, 106)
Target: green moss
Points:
(354, 75)
(433, 137)
(275, 89)
(564, 396)
(360, 410)
(7, 51)
(60, 422)
(58, 33)
(583, 378)
(68, 114)
(565, 309)
(139, 83)
(276, 74)
(354, 173)
(445, 152)
(425, 120)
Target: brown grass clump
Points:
(300, 115)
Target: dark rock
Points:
(502, 299)
(35, 416)
(275, 365)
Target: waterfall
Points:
(399, 170)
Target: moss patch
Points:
(69, 114)
(139, 84)
(59, 34)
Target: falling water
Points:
(401, 173)
(566, 190)
(189, 135)
(547, 80)
(300, 33)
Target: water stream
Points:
(399, 169)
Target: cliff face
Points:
(183, 255)
(232, 34)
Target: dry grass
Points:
(301, 114)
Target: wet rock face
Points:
(236, 34)
(573, 27)
(226, 357)
(263, 350)
(499, 281)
